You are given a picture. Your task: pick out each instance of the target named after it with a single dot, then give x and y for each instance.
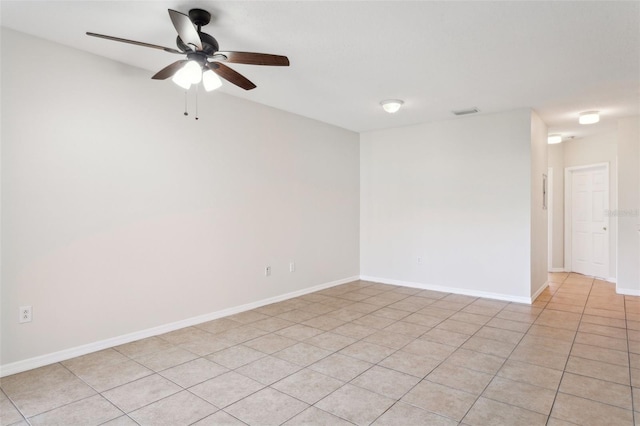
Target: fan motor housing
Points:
(209, 44)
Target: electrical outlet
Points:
(419, 260)
(267, 271)
(292, 266)
(25, 314)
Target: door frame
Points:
(549, 195)
(568, 172)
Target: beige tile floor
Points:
(362, 353)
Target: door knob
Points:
(604, 229)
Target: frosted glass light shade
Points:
(210, 81)
(193, 71)
(553, 139)
(391, 105)
(190, 73)
(589, 117)
(182, 79)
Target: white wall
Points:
(455, 193)
(120, 214)
(539, 215)
(599, 148)
(556, 163)
(629, 206)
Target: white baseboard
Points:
(611, 280)
(557, 269)
(535, 295)
(39, 361)
(455, 290)
(628, 291)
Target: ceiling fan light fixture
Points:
(391, 105)
(200, 49)
(589, 117)
(554, 138)
(182, 79)
(193, 71)
(210, 81)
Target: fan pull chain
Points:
(185, 103)
(197, 87)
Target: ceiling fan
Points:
(204, 62)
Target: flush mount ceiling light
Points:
(466, 111)
(555, 138)
(391, 105)
(589, 117)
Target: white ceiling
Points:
(559, 58)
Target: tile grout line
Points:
(603, 362)
(501, 365)
(304, 367)
(626, 323)
(360, 374)
(340, 306)
(16, 407)
(72, 402)
(397, 350)
(573, 343)
(570, 350)
(129, 358)
(376, 364)
(472, 350)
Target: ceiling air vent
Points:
(466, 111)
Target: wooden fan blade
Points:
(137, 43)
(255, 58)
(186, 31)
(231, 75)
(169, 70)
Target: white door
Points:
(590, 222)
